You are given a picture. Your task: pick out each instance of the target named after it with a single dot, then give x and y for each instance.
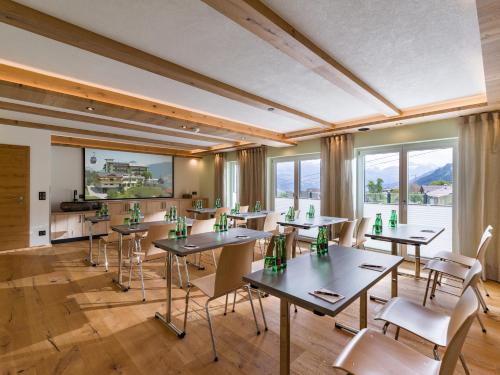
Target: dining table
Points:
(128, 229)
(198, 243)
(201, 211)
(340, 271)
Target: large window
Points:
(417, 181)
(296, 183)
(232, 183)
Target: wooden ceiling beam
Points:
(65, 129)
(101, 121)
(257, 18)
(470, 102)
(58, 140)
(488, 12)
(98, 95)
(29, 19)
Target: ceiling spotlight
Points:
(196, 130)
(90, 109)
(363, 129)
(270, 109)
(184, 127)
(243, 138)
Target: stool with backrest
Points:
(428, 324)
(372, 353)
(145, 251)
(112, 238)
(235, 262)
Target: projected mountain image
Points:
(127, 175)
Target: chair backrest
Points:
(235, 262)
(243, 210)
(289, 237)
(363, 228)
(155, 232)
(483, 244)
(220, 211)
(271, 222)
(460, 322)
(155, 216)
(346, 233)
(472, 276)
(202, 226)
(115, 220)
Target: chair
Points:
(363, 227)
(151, 252)
(219, 212)
(112, 237)
(270, 225)
(235, 262)
(373, 353)
(455, 270)
(469, 261)
(201, 226)
(430, 325)
(243, 222)
(154, 216)
(346, 234)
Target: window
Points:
(417, 181)
(296, 183)
(232, 183)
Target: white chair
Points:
(112, 238)
(201, 226)
(151, 252)
(346, 234)
(363, 228)
(243, 222)
(373, 353)
(235, 262)
(270, 225)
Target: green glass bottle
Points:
(178, 230)
(393, 221)
(377, 227)
(184, 228)
(283, 251)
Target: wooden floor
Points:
(59, 316)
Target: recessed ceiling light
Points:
(363, 129)
(243, 138)
(270, 109)
(184, 127)
(196, 130)
(90, 108)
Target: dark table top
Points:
(337, 271)
(249, 215)
(95, 219)
(202, 210)
(408, 234)
(143, 227)
(210, 240)
(307, 223)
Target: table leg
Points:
(394, 276)
(363, 315)
(120, 264)
(89, 258)
(167, 318)
(417, 262)
(284, 337)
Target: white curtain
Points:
(479, 187)
(336, 176)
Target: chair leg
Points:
(396, 336)
(178, 271)
(261, 310)
(187, 271)
(211, 331)
(464, 365)
(434, 285)
(484, 287)
(429, 277)
(384, 328)
(98, 250)
(253, 309)
(481, 323)
(234, 299)
(142, 280)
(187, 305)
(225, 306)
(106, 257)
(481, 299)
(130, 272)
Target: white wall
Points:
(67, 175)
(39, 143)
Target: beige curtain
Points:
(252, 163)
(479, 185)
(336, 176)
(219, 161)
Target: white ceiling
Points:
(412, 52)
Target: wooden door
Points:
(14, 197)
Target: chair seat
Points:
(449, 268)
(373, 353)
(428, 324)
(457, 258)
(206, 284)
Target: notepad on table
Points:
(327, 295)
